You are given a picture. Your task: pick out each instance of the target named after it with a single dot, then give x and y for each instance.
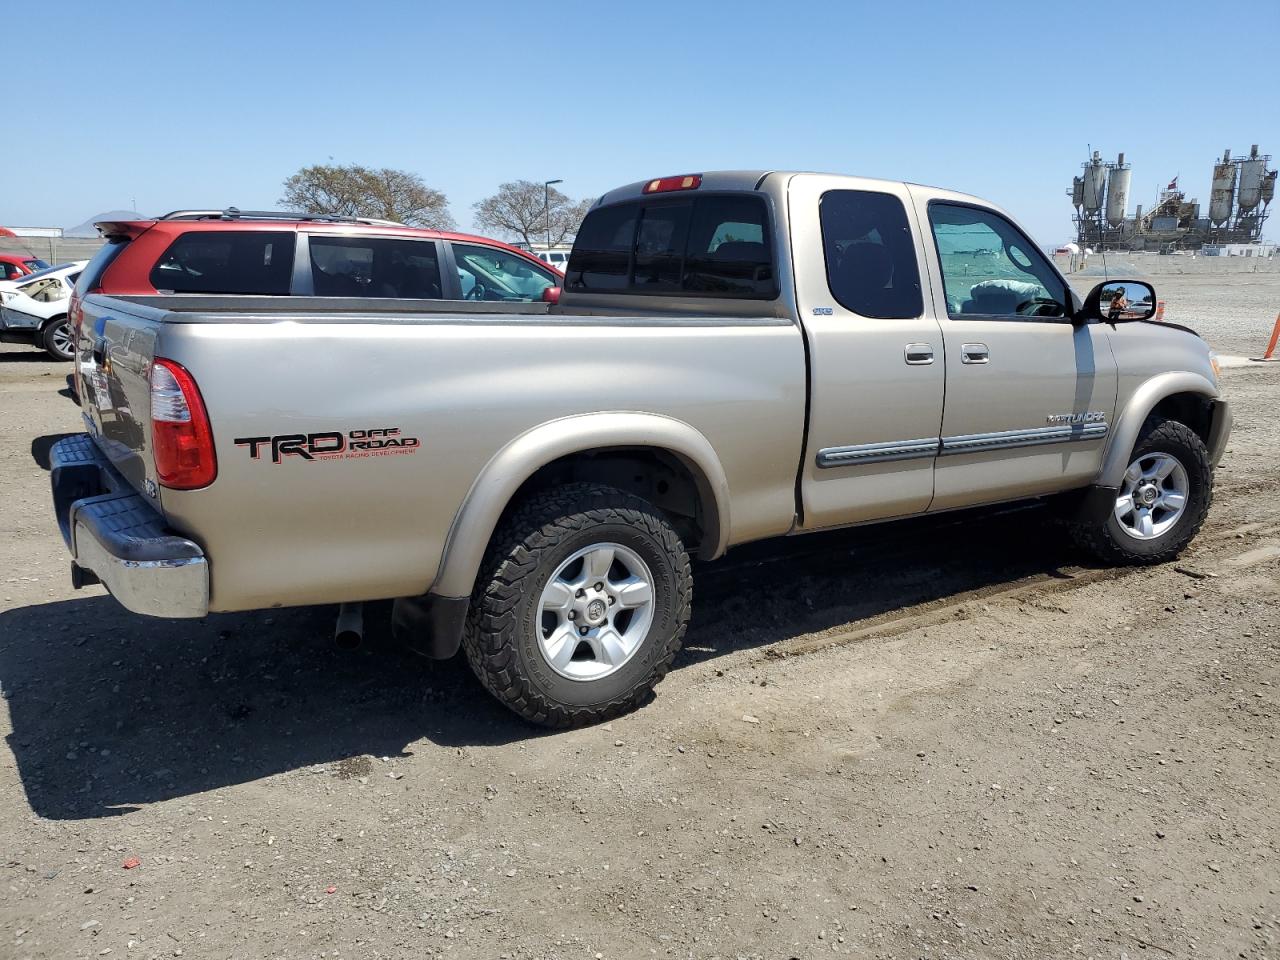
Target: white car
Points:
(34, 309)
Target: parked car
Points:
(736, 356)
(15, 266)
(278, 254)
(556, 258)
(33, 309)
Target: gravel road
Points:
(936, 739)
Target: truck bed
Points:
(223, 308)
(463, 381)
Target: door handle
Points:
(974, 353)
(919, 354)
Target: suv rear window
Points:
(717, 246)
(223, 261)
(91, 275)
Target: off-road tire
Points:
(500, 638)
(48, 343)
(1104, 538)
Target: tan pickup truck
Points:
(734, 356)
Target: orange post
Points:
(1159, 311)
(1269, 356)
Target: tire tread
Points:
(514, 555)
(1098, 539)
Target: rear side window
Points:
(601, 258)
(209, 261)
(91, 276)
(717, 246)
(871, 261)
(375, 267)
(660, 247)
(729, 251)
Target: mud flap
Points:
(430, 625)
(1095, 504)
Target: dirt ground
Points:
(934, 739)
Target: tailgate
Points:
(114, 350)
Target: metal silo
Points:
(1252, 172)
(1077, 192)
(1095, 184)
(1269, 187)
(1118, 191)
(1224, 190)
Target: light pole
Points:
(546, 211)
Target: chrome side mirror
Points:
(1118, 301)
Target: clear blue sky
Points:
(181, 104)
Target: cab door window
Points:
(871, 259)
(990, 269)
(487, 273)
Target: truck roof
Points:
(752, 180)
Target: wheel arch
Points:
(1180, 395)
(600, 446)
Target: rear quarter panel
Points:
(363, 527)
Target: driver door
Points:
(1030, 396)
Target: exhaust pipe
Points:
(349, 630)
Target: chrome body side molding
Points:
(878, 452)
(1007, 439)
(970, 443)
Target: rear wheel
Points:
(58, 339)
(1162, 501)
(581, 605)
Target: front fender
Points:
(1139, 406)
(515, 463)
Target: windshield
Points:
(35, 264)
(47, 269)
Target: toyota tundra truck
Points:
(734, 356)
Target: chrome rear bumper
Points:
(115, 535)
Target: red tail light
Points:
(690, 181)
(181, 437)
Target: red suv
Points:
(283, 254)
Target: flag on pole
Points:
(1173, 184)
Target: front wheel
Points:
(58, 339)
(581, 605)
(1162, 501)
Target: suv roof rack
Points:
(234, 213)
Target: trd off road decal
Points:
(331, 445)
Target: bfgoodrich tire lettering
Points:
(505, 619)
(1163, 444)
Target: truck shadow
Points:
(110, 711)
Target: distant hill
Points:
(86, 229)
